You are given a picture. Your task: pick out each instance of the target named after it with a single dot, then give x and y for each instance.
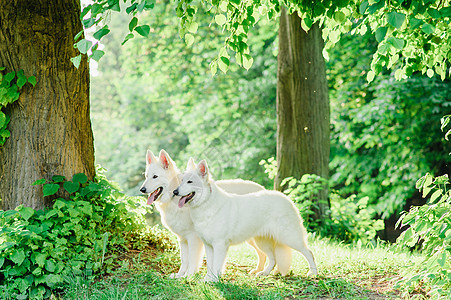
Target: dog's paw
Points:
(252, 272)
(312, 273)
(176, 276)
(263, 273)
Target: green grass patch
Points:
(345, 272)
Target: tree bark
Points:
(303, 113)
(50, 124)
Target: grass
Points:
(345, 272)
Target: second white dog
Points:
(222, 219)
(162, 177)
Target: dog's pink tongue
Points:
(182, 201)
(151, 198)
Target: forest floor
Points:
(345, 272)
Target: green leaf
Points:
(50, 265)
(435, 195)
(84, 45)
(21, 81)
(101, 32)
(50, 189)
(193, 27)
(143, 30)
(220, 19)
(80, 178)
(78, 35)
(396, 19)
(434, 13)
(127, 37)
(2, 261)
(430, 73)
(415, 23)
(428, 28)
(2, 119)
(17, 256)
(76, 61)
(58, 178)
(71, 187)
(380, 34)
(247, 61)
(97, 55)
(397, 43)
(38, 182)
(189, 39)
(370, 76)
(340, 17)
(132, 24)
(40, 259)
(26, 212)
(32, 80)
(363, 6)
(9, 76)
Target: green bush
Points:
(348, 220)
(76, 236)
(430, 230)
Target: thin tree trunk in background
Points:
(50, 124)
(303, 114)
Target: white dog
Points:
(222, 219)
(162, 177)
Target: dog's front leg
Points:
(210, 259)
(195, 255)
(184, 252)
(219, 255)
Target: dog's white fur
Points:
(164, 174)
(222, 219)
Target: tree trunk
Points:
(50, 125)
(303, 114)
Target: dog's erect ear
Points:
(165, 159)
(203, 168)
(191, 164)
(150, 158)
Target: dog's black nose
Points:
(143, 190)
(176, 192)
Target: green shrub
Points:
(348, 220)
(79, 235)
(430, 230)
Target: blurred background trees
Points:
(158, 93)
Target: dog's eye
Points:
(189, 181)
(155, 176)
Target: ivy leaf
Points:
(18, 257)
(32, 80)
(38, 182)
(50, 189)
(189, 39)
(9, 77)
(2, 119)
(247, 61)
(397, 43)
(428, 28)
(220, 19)
(58, 178)
(97, 54)
(26, 212)
(76, 61)
(21, 81)
(84, 45)
(396, 19)
(127, 37)
(80, 178)
(133, 23)
(71, 187)
(380, 34)
(143, 30)
(101, 32)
